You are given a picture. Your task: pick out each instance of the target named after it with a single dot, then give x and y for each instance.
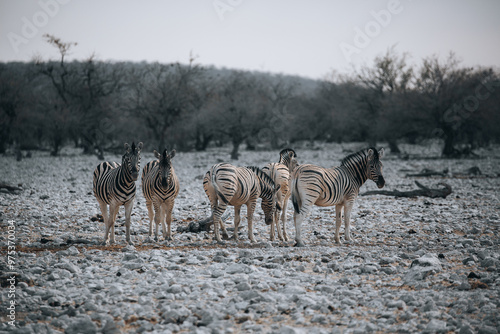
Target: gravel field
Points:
(427, 265)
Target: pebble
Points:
(433, 280)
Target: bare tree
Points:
(83, 89)
(241, 112)
(442, 88)
(386, 84)
(12, 83)
(161, 94)
(279, 92)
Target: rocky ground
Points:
(415, 265)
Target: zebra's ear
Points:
(127, 147)
(139, 146)
(370, 154)
(172, 154)
(381, 153)
(157, 155)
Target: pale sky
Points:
(307, 38)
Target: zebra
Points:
(160, 187)
(226, 184)
(337, 186)
(279, 174)
(114, 185)
(288, 158)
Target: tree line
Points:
(99, 105)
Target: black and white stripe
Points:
(339, 186)
(226, 184)
(114, 185)
(279, 173)
(288, 157)
(160, 187)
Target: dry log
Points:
(201, 225)
(8, 187)
(423, 191)
(429, 172)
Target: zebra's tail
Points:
(218, 193)
(296, 200)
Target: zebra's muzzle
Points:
(135, 175)
(380, 182)
(164, 182)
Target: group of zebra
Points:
(226, 184)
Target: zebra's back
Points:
(151, 183)
(107, 186)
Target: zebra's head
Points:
(375, 166)
(131, 160)
(165, 165)
(288, 157)
(269, 205)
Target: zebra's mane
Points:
(263, 176)
(286, 151)
(360, 155)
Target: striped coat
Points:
(114, 186)
(226, 184)
(339, 186)
(280, 175)
(160, 187)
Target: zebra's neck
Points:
(356, 166)
(124, 176)
(266, 190)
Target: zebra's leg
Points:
(105, 217)
(158, 218)
(128, 213)
(271, 234)
(276, 217)
(151, 215)
(250, 210)
(110, 226)
(297, 219)
(283, 215)
(217, 212)
(169, 206)
(347, 220)
(338, 222)
(225, 235)
(237, 219)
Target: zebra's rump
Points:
(108, 187)
(279, 174)
(233, 185)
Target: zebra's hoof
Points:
(299, 244)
